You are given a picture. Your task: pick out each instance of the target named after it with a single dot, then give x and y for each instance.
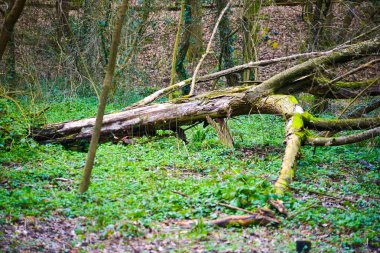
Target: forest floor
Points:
(140, 193)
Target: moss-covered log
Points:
(294, 137)
(146, 119)
(341, 124)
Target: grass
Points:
(137, 184)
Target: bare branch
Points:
(342, 124)
(192, 86)
(367, 108)
(343, 140)
(366, 65)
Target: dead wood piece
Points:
(367, 108)
(342, 124)
(224, 134)
(283, 81)
(363, 66)
(279, 206)
(61, 179)
(343, 140)
(262, 217)
(339, 90)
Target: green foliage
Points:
(134, 186)
(13, 126)
(200, 230)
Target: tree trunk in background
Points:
(196, 31)
(10, 19)
(135, 40)
(307, 11)
(107, 84)
(319, 22)
(184, 47)
(319, 39)
(87, 33)
(63, 27)
(11, 61)
(347, 20)
(251, 28)
(226, 43)
(175, 48)
(102, 28)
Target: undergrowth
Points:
(336, 189)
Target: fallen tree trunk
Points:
(167, 116)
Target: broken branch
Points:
(343, 140)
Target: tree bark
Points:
(11, 61)
(196, 32)
(8, 25)
(343, 140)
(226, 43)
(175, 48)
(250, 26)
(95, 131)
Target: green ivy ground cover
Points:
(336, 188)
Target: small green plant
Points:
(13, 126)
(200, 230)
